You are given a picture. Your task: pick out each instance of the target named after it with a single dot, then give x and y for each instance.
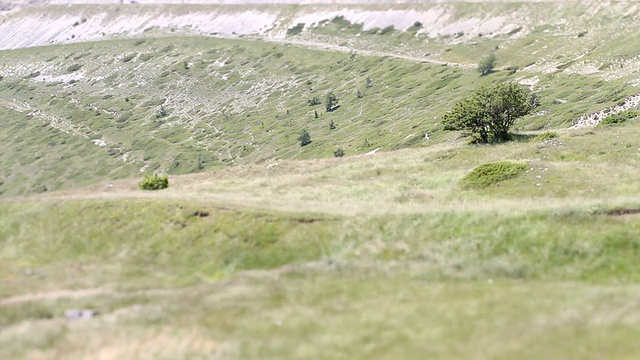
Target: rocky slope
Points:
(66, 21)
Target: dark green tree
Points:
(330, 102)
(338, 152)
(304, 138)
(332, 125)
(490, 111)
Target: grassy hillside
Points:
(91, 112)
(373, 257)
(184, 105)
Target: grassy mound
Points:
(488, 174)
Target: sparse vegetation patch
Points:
(621, 117)
(547, 135)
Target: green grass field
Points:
(358, 257)
(405, 248)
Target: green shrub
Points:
(486, 64)
(162, 112)
(314, 101)
(415, 27)
(548, 135)
(488, 174)
(389, 29)
(295, 30)
(154, 182)
(304, 138)
(341, 22)
(372, 31)
(338, 152)
(621, 117)
(331, 102)
(147, 57)
(74, 67)
(129, 57)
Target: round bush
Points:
(155, 182)
(488, 174)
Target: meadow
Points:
(260, 248)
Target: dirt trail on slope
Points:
(337, 48)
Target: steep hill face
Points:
(591, 38)
(185, 88)
(74, 21)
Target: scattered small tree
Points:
(368, 82)
(162, 112)
(304, 138)
(487, 64)
(489, 112)
(359, 94)
(201, 162)
(154, 182)
(332, 125)
(315, 114)
(338, 152)
(330, 102)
